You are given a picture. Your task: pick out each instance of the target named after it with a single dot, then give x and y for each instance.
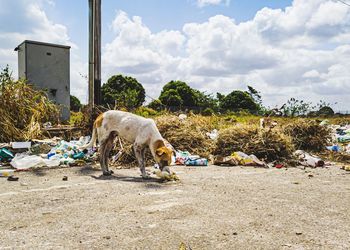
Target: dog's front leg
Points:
(139, 154)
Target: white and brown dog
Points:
(140, 131)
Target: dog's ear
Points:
(160, 151)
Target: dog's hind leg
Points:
(105, 149)
(102, 157)
(139, 153)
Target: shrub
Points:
(208, 112)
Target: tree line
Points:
(126, 92)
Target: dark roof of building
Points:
(42, 43)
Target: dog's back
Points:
(129, 126)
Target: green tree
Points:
(238, 100)
(156, 105)
(255, 95)
(75, 104)
(6, 75)
(171, 98)
(183, 95)
(205, 100)
(295, 107)
(325, 111)
(123, 91)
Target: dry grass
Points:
(23, 110)
(265, 144)
(308, 135)
(190, 134)
(237, 134)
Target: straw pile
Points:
(187, 135)
(308, 135)
(23, 110)
(268, 145)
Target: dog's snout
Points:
(163, 163)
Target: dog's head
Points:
(163, 154)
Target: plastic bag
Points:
(24, 162)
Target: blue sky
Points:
(285, 49)
(158, 15)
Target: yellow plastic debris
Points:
(165, 176)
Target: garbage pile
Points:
(269, 145)
(339, 146)
(185, 158)
(341, 138)
(21, 156)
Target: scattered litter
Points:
(25, 161)
(21, 145)
(308, 160)
(239, 159)
(247, 160)
(324, 122)
(279, 166)
(183, 246)
(5, 155)
(228, 160)
(182, 117)
(12, 178)
(6, 172)
(196, 161)
(346, 168)
(334, 148)
(42, 148)
(213, 134)
(181, 157)
(165, 176)
(47, 125)
(52, 162)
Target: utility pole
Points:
(94, 53)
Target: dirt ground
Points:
(211, 208)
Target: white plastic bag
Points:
(24, 162)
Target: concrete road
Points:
(211, 208)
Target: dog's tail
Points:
(92, 141)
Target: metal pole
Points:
(97, 52)
(91, 55)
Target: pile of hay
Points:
(269, 145)
(23, 110)
(308, 135)
(187, 135)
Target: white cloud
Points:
(311, 74)
(300, 51)
(22, 20)
(202, 3)
(136, 51)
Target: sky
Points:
(284, 48)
